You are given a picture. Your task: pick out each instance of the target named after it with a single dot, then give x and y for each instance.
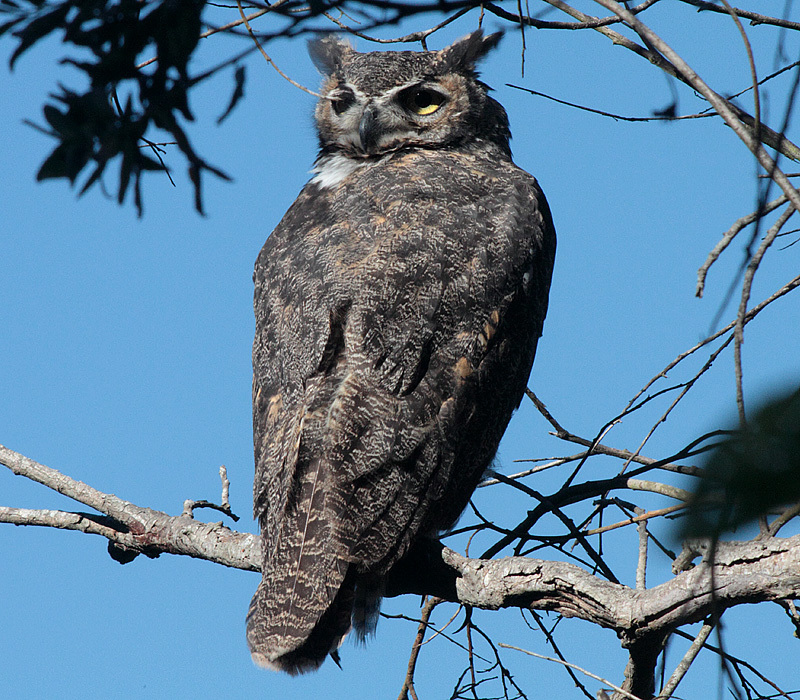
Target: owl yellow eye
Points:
(422, 101)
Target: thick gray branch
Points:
(133, 529)
(744, 572)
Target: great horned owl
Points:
(398, 306)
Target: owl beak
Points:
(369, 129)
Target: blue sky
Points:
(125, 354)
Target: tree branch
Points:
(130, 529)
(744, 572)
(736, 118)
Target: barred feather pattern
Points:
(397, 317)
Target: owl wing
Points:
(382, 337)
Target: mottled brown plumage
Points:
(398, 306)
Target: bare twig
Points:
(408, 683)
(749, 316)
(787, 515)
(641, 562)
(253, 36)
(733, 116)
(753, 73)
(793, 614)
(225, 27)
(574, 666)
(729, 235)
(596, 447)
(224, 505)
(407, 38)
(741, 318)
(552, 642)
(644, 517)
(729, 658)
(618, 117)
(586, 22)
(686, 662)
(663, 489)
(754, 17)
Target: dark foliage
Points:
(751, 473)
(113, 39)
(141, 49)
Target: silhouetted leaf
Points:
(56, 118)
(753, 472)
(176, 27)
(38, 29)
(238, 93)
(113, 35)
(5, 26)
(66, 160)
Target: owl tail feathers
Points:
(293, 645)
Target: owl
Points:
(398, 307)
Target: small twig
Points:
(441, 630)
(783, 518)
(587, 22)
(408, 683)
(522, 36)
(637, 519)
(576, 667)
(794, 615)
(667, 59)
(741, 223)
(224, 507)
(617, 117)
(470, 654)
(687, 386)
(189, 507)
(557, 462)
(641, 563)
(738, 662)
(754, 17)
(656, 487)
(430, 626)
(223, 28)
(226, 487)
(686, 662)
(741, 317)
(552, 642)
(420, 36)
(788, 287)
(596, 558)
(268, 59)
(753, 74)
(504, 673)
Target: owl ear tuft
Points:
(329, 53)
(466, 52)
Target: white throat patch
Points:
(331, 170)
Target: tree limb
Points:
(744, 572)
(130, 529)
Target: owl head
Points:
(381, 102)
